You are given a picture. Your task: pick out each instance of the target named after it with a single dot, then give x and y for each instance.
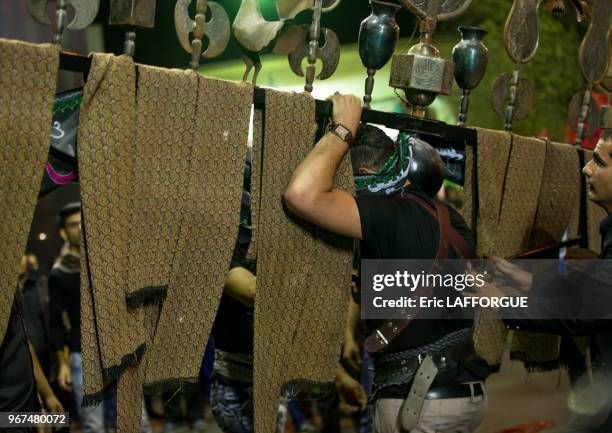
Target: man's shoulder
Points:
(59, 276)
(56, 272)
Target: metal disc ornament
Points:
(591, 123)
(500, 95)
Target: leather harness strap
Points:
(383, 336)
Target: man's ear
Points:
(365, 170)
(63, 235)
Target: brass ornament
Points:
(500, 96)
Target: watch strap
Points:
(341, 131)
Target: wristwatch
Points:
(341, 131)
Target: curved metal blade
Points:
(300, 52)
(183, 23)
(448, 8)
(37, 8)
(288, 9)
(329, 54)
(85, 12)
(217, 30)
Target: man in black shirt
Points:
(65, 300)
(581, 302)
(394, 220)
(20, 372)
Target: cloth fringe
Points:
(112, 374)
(146, 296)
(170, 385)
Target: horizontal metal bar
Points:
(436, 132)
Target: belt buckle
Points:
(421, 357)
(381, 338)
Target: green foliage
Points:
(554, 71)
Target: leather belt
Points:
(395, 368)
(455, 391)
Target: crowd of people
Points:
(395, 375)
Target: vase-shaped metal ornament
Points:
(378, 36)
(470, 57)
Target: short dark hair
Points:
(606, 135)
(68, 210)
(371, 148)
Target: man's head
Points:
(70, 224)
(370, 150)
(378, 160)
(598, 172)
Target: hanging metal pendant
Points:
(85, 12)
(329, 53)
(216, 30)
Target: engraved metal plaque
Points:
(412, 71)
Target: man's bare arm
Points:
(311, 194)
(240, 285)
(42, 385)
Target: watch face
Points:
(342, 131)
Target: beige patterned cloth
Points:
(558, 210)
(129, 401)
(209, 226)
(493, 157)
(166, 101)
(304, 273)
(105, 136)
(27, 88)
(520, 197)
(93, 381)
(510, 169)
(493, 154)
(539, 352)
(559, 203)
(255, 181)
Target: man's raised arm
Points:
(310, 193)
